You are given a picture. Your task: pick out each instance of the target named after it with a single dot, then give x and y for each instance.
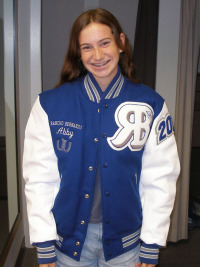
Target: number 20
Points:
(164, 128)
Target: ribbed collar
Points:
(94, 91)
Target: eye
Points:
(105, 43)
(86, 48)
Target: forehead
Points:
(94, 32)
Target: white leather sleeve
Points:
(41, 176)
(160, 170)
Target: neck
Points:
(103, 86)
(104, 82)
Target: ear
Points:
(123, 39)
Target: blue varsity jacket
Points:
(129, 131)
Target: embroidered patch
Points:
(67, 130)
(63, 131)
(134, 120)
(63, 146)
(164, 128)
(66, 123)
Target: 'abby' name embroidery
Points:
(63, 131)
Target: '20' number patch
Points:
(164, 128)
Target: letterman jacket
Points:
(127, 130)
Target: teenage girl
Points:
(100, 157)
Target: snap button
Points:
(75, 253)
(82, 222)
(109, 254)
(86, 196)
(107, 194)
(78, 243)
(90, 168)
(104, 135)
(107, 242)
(105, 105)
(96, 140)
(107, 221)
(105, 165)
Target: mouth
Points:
(99, 65)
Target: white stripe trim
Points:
(151, 250)
(60, 238)
(91, 89)
(58, 243)
(130, 242)
(148, 256)
(46, 249)
(45, 256)
(90, 95)
(130, 236)
(113, 88)
(94, 90)
(119, 88)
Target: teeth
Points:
(100, 65)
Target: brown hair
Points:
(73, 66)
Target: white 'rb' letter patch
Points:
(134, 120)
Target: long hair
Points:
(73, 67)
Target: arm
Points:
(160, 169)
(41, 183)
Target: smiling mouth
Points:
(100, 64)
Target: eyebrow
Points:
(107, 38)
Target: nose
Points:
(97, 54)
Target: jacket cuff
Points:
(149, 253)
(46, 252)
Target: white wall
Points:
(57, 16)
(10, 123)
(126, 13)
(29, 66)
(167, 57)
(88, 4)
(124, 10)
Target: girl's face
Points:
(99, 52)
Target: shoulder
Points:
(64, 89)
(141, 93)
(61, 94)
(143, 90)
